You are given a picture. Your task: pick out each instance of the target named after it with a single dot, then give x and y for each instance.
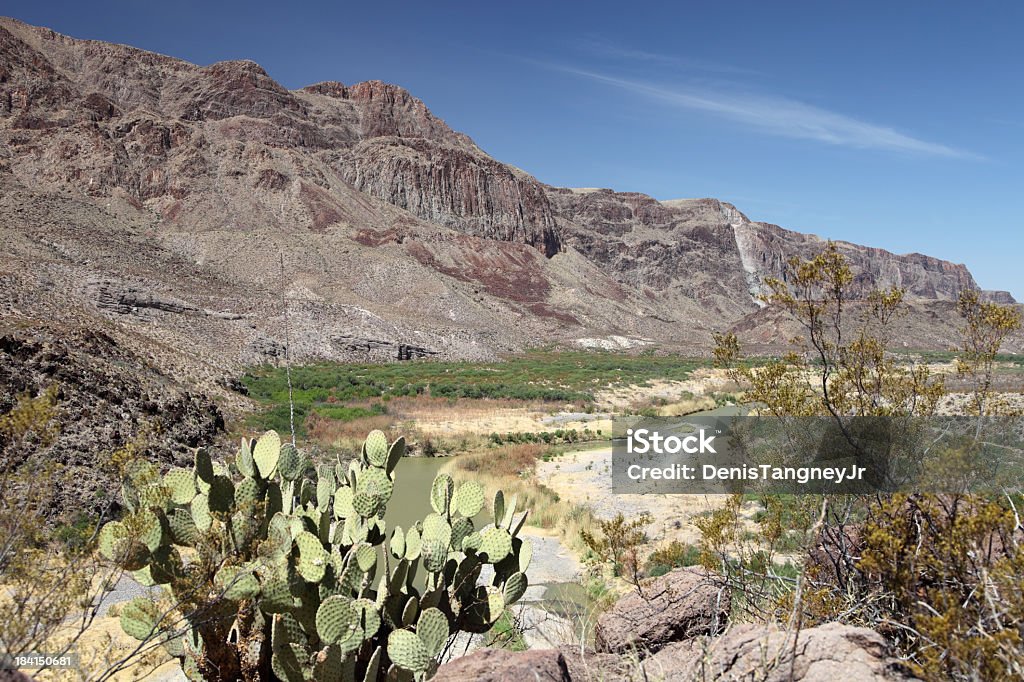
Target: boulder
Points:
(825, 653)
(498, 665)
(679, 605)
(585, 665)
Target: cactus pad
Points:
(407, 651)
(434, 553)
(369, 618)
(515, 588)
(410, 611)
(524, 553)
(366, 505)
(182, 484)
(499, 507)
(343, 508)
(413, 544)
(201, 512)
(472, 542)
(373, 666)
(510, 513)
(289, 462)
(432, 629)
(140, 618)
(244, 461)
(337, 620)
(222, 494)
(376, 484)
(496, 543)
(312, 559)
(204, 468)
(247, 493)
(461, 529)
(435, 527)
(469, 499)
(324, 485)
(155, 496)
(266, 454)
(441, 493)
(396, 453)
(275, 597)
(307, 492)
(398, 543)
(146, 528)
(376, 448)
(236, 583)
(110, 536)
(183, 528)
(366, 557)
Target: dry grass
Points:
(429, 408)
(511, 468)
(346, 435)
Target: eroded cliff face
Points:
(454, 187)
(765, 248)
(711, 241)
(111, 120)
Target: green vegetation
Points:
(537, 376)
(676, 554)
(282, 561)
(506, 634)
(557, 437)
(617, 543)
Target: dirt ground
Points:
(585, 477)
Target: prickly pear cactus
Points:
(285, 569)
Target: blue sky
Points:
(899, 125)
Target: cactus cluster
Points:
(279, 566)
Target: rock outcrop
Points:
(825, 653)
(680, 605)
(104, 404)
(499, 665)
(455, 187)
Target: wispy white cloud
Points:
(778, 116)
(596, 45)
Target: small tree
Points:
(937, 573)
(619, 544)
(985, 330)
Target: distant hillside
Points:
(155, 198)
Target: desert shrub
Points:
(48, 575)
(938, 574)
(943, 575)
(618, 543)
(676, 554)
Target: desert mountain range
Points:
(165, 225)
(187, 209)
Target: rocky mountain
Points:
(191, 211)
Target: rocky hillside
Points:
(193, 209)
